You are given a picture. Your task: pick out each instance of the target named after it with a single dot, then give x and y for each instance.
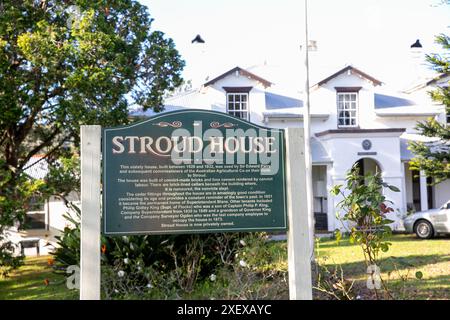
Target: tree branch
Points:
(38, 148)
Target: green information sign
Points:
(193, 171)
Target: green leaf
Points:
(419, 275)
(337, 235)
(384, 247)
(352, 238)
(394, 188)
(336, 189)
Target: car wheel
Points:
(423, 229)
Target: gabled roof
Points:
(389, 101)
(278, 101)
(352, 69)
(439, 77)
(241, 72)
(426, 83)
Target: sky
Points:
(372, 35)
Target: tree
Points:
(68, 63)
(434, 158)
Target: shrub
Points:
(157, 265)
(364, 209)
(67, 252)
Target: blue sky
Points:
(373, 35)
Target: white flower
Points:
(212, 277)
(358, 297)
(139, 268)
(242, 242)
(121, 273)
(242, 263)
(149, 285)
(116, 291)
(126, 260)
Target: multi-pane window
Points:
(237, 105)
(347, 105)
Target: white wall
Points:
(408, 184)
(256, 98)
(442, 193)
(55, 209)
(324, 99)
(343, 149)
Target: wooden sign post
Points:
(299, 248)
(255, 185)
(90, 212)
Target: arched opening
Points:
(368, 166)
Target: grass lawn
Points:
(29, 283)
(406, 256)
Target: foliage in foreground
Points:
(407, 257)
(229, 265)
(64, 64)
(433, 157)
(364, 208)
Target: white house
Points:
(44, 218)
(353, 119)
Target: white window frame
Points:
(238, 104)
(349, 106)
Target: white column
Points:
(337, 212)
(331, 216)
(299, 245)
(423, 191)
(90, 213)
(398, 199)
(404, 198)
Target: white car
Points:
(429, 223)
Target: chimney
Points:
(416, 44)
(416, 50)
(417, 59)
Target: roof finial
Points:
(198, 39)
(416, 44)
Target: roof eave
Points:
(374, 81)
(414, 114)
(244, 72)
(295, 116)
(346, 131)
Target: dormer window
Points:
(237, 102)
(347, 106)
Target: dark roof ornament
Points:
(198, 39)
(416, 44)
